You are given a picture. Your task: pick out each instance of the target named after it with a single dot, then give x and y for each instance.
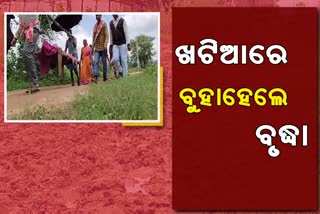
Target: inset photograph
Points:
(85, 67)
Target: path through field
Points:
(59, 95)
(18, 101)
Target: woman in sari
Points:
(86, 59)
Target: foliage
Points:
(16, 76)
(152, 70)
(44, 113)
(45, 26)
(144, 46)
(15, 63)
(130, 98)
(21, 81)
(17, 84)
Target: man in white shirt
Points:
(119, 43)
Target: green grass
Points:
(13, 84)
(45, 113)
(21, 82)
(134, 70)
(52, 78)
(129, 98)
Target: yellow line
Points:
(160, 123)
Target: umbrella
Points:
(9, 31)
(66, 22)
(10, 16)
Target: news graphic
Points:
(159, 106)
(245, 109)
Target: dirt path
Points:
(58, 95)
(18, 101)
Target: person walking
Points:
(86, 60)
(119, 43)
(71, 47)
(29, 29)
(100, 42)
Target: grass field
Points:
(51, 79)
(129, 98)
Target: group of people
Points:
(91, 55)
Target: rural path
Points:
(58, 95)
(19, 100)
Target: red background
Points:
(86, 168)
(218, 163)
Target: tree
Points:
(15, 62)
(142, 51)
(48, 33)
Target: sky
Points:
(138, 23)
